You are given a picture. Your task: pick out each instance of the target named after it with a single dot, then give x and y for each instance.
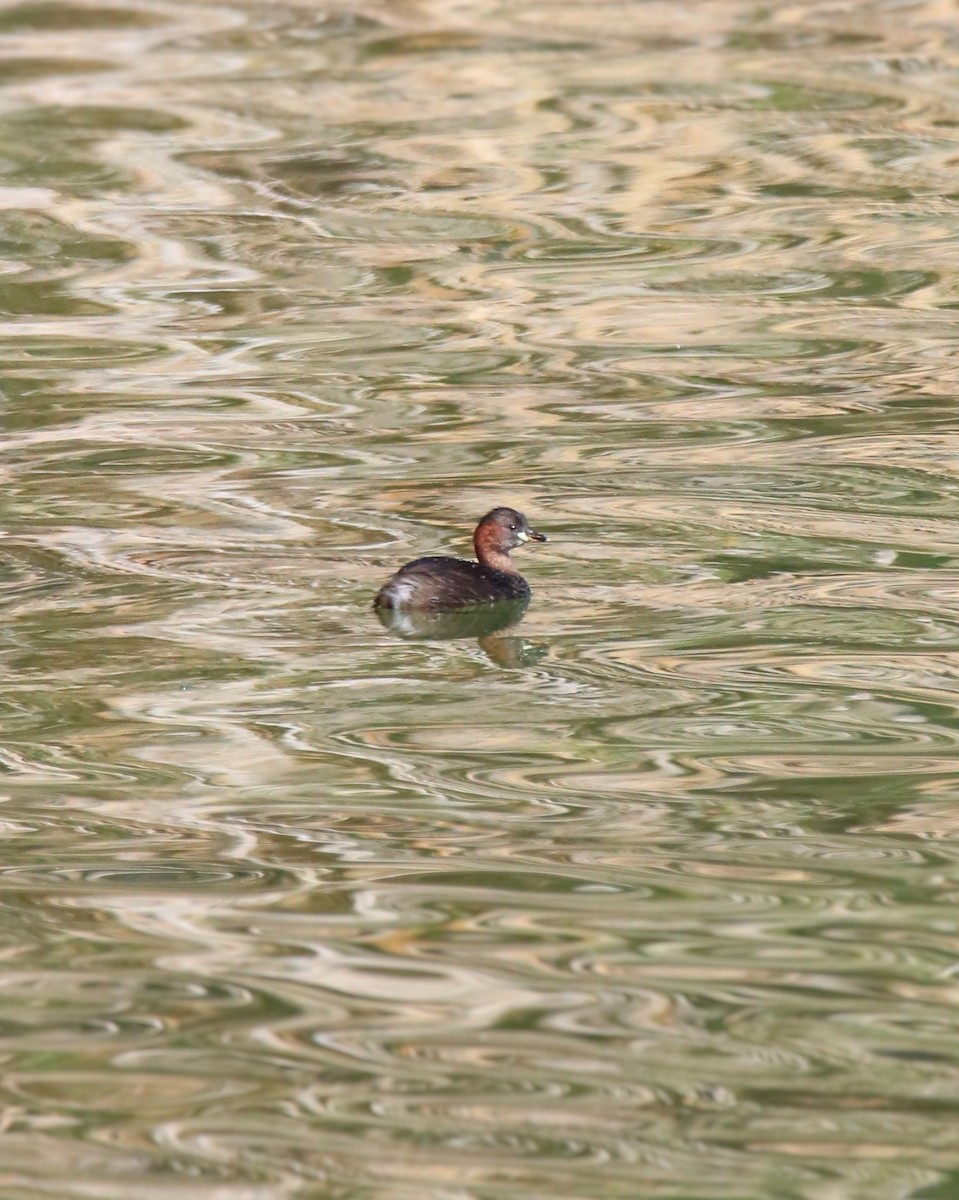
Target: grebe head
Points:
(502, 530)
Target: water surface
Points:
(651, 894)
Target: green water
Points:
(651, 895)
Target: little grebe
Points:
(438, 581)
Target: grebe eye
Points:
(513, 528)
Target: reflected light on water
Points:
(647, 887)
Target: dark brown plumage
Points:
(442, 582)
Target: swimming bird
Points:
(442, 582)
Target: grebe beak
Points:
(534, 535)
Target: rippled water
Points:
(653, 894)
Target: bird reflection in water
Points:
(485, 622)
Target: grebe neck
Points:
(492, 556)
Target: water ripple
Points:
(294, 906)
